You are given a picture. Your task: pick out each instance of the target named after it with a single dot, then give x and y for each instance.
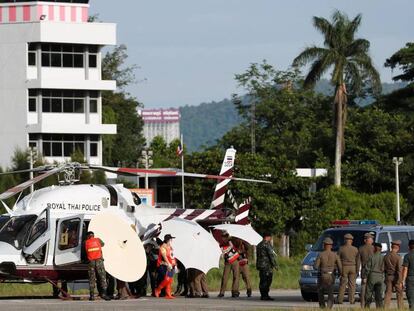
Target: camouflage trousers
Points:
(96, 269)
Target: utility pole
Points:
(397, 161)
(182, 168)
(32, 159)
(147, 161)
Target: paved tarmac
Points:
(284, 300)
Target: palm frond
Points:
(318, 69)
(368, 69)
(324, 27)
(356, 47)
(308, 55)
(354, 25)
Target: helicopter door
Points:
(38, 235)
(69, 240)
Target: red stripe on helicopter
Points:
(194, 214)
(244, 208)
(219, 192)
(177, 212)
(143, 171)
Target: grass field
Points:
(285, 278)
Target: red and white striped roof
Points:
(26, 12)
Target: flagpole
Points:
(182, 168)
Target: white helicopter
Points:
(41, 237)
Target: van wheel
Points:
(309, 296)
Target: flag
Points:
(179, 150)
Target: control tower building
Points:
(50, 79)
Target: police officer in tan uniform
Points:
(365, 252)
(326, 264)
(393, 277)
(375, 278)
(349, 257)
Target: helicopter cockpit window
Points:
(69, 234)
(37, 230)
(3, 220)
(15, 231)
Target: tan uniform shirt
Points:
(349, 256)
(327, 262)
(392, 265)
(365, 252)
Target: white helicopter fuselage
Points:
(42, 238)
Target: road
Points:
(284, 299)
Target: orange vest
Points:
(230, 254)
(169, 255)
(93, 249)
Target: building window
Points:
(93, 105)
(93, 60)
(62, 55)
(58, 101)
(94, 149)
(31, 55)
(67, 101)
(32, 101)
(64, 145)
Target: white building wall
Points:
(13, 98)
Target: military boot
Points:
(105, 296)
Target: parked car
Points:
(382, 234)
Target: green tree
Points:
(290, 121)
(128, 143)
(401, 100)
(403, 59)
(121, 108)
(348, 57)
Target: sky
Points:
(188, 51)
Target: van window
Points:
(403, 236)
(338, 238)
(383, 238)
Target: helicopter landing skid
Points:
(65, 295)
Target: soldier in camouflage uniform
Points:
(408, 274)
(96, 266)
(326, 264)
(266, 262)
(375, 280)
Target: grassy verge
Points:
(285, 278)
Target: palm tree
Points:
(351, 66)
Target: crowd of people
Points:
(377, 272)
(192, 283)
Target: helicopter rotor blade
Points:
(38, 169)
(19, 188)
(113, 170)
(141, 171)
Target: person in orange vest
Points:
(166, 267)
(96, 268)
(231, 263)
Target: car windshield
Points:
(15, 230)
(338, 238)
